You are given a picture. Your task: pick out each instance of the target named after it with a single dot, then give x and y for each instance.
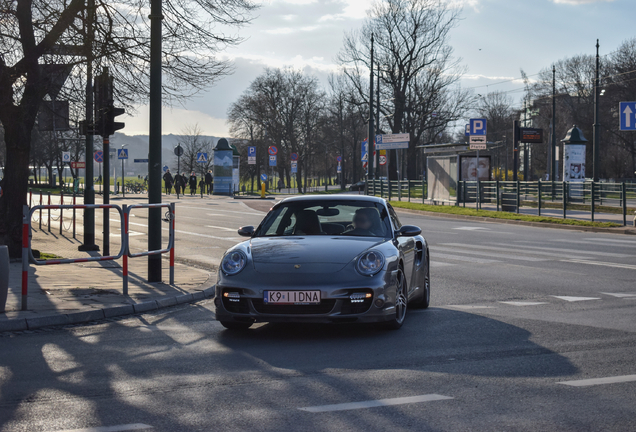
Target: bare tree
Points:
(33, 34)
(416, 68)
(193, 143)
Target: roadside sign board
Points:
(272, 160)
(202, 157)
(98, 156)
(627, 113)
(141, 160)
(392, 141)
(78, 164)
(294, 156)
(478, 146)
(294, 167)
(530, 135)
(339, 159)
(467, 130)
(165, 168)
(66, 157)
(263, 177)
(382, 160)
(178, 151)
(391, 138)
(477, 126)
(251, 155)
(272, 150)
(365, 150)
(122, 154)
(477, 139)
(339, 168)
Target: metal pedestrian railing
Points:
(124, 250)
(510, 196)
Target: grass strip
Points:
(499, 215)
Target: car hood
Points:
(309, 254)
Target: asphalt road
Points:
(529, 329)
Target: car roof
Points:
(336, 197)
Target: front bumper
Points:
(336, 305)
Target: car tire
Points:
(236, 325)
(425, 301)
(401, 297)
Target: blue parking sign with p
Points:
(477, 126)
(251, 151)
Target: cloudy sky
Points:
(495, 39)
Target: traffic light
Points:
(105, 112)
(111, 125)
(103, 89)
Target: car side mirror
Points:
(246, 231)
(409, 231)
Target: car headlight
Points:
(233, 262)
(370, 263)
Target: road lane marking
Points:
(522, 303)
(620, 295)
(575, 299)
(489, 254)
(470, 228)
(547, 250)
(470, 307)
(440, 264)
(118, 428)
(222, 228)
(375, 403)
(601, 263)
(462, 258)
(600, 381)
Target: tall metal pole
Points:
(154, 146)
(106, 196)
(89, 190)
(123, 190)
(552, 170)
(596, 125)
(372, 156)
(515, 149)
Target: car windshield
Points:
(325, 217)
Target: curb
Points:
(21, 324)
(619, 230)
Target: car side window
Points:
(396, 222)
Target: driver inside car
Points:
(362, 222)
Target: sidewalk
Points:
(75, 293)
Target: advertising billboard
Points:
(470, 170)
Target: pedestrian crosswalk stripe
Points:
(375, 403)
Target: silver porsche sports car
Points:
(339, 258)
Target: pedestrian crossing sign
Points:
(202, 157)
(122, 154)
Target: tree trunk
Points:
(411, 162)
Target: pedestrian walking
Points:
(202, 186)
(168, 181)
(193, 184)
(178, 184)
(208, 181)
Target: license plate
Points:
(291, 297)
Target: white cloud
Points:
(289, 17)
(173, 121)
(579, 2)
